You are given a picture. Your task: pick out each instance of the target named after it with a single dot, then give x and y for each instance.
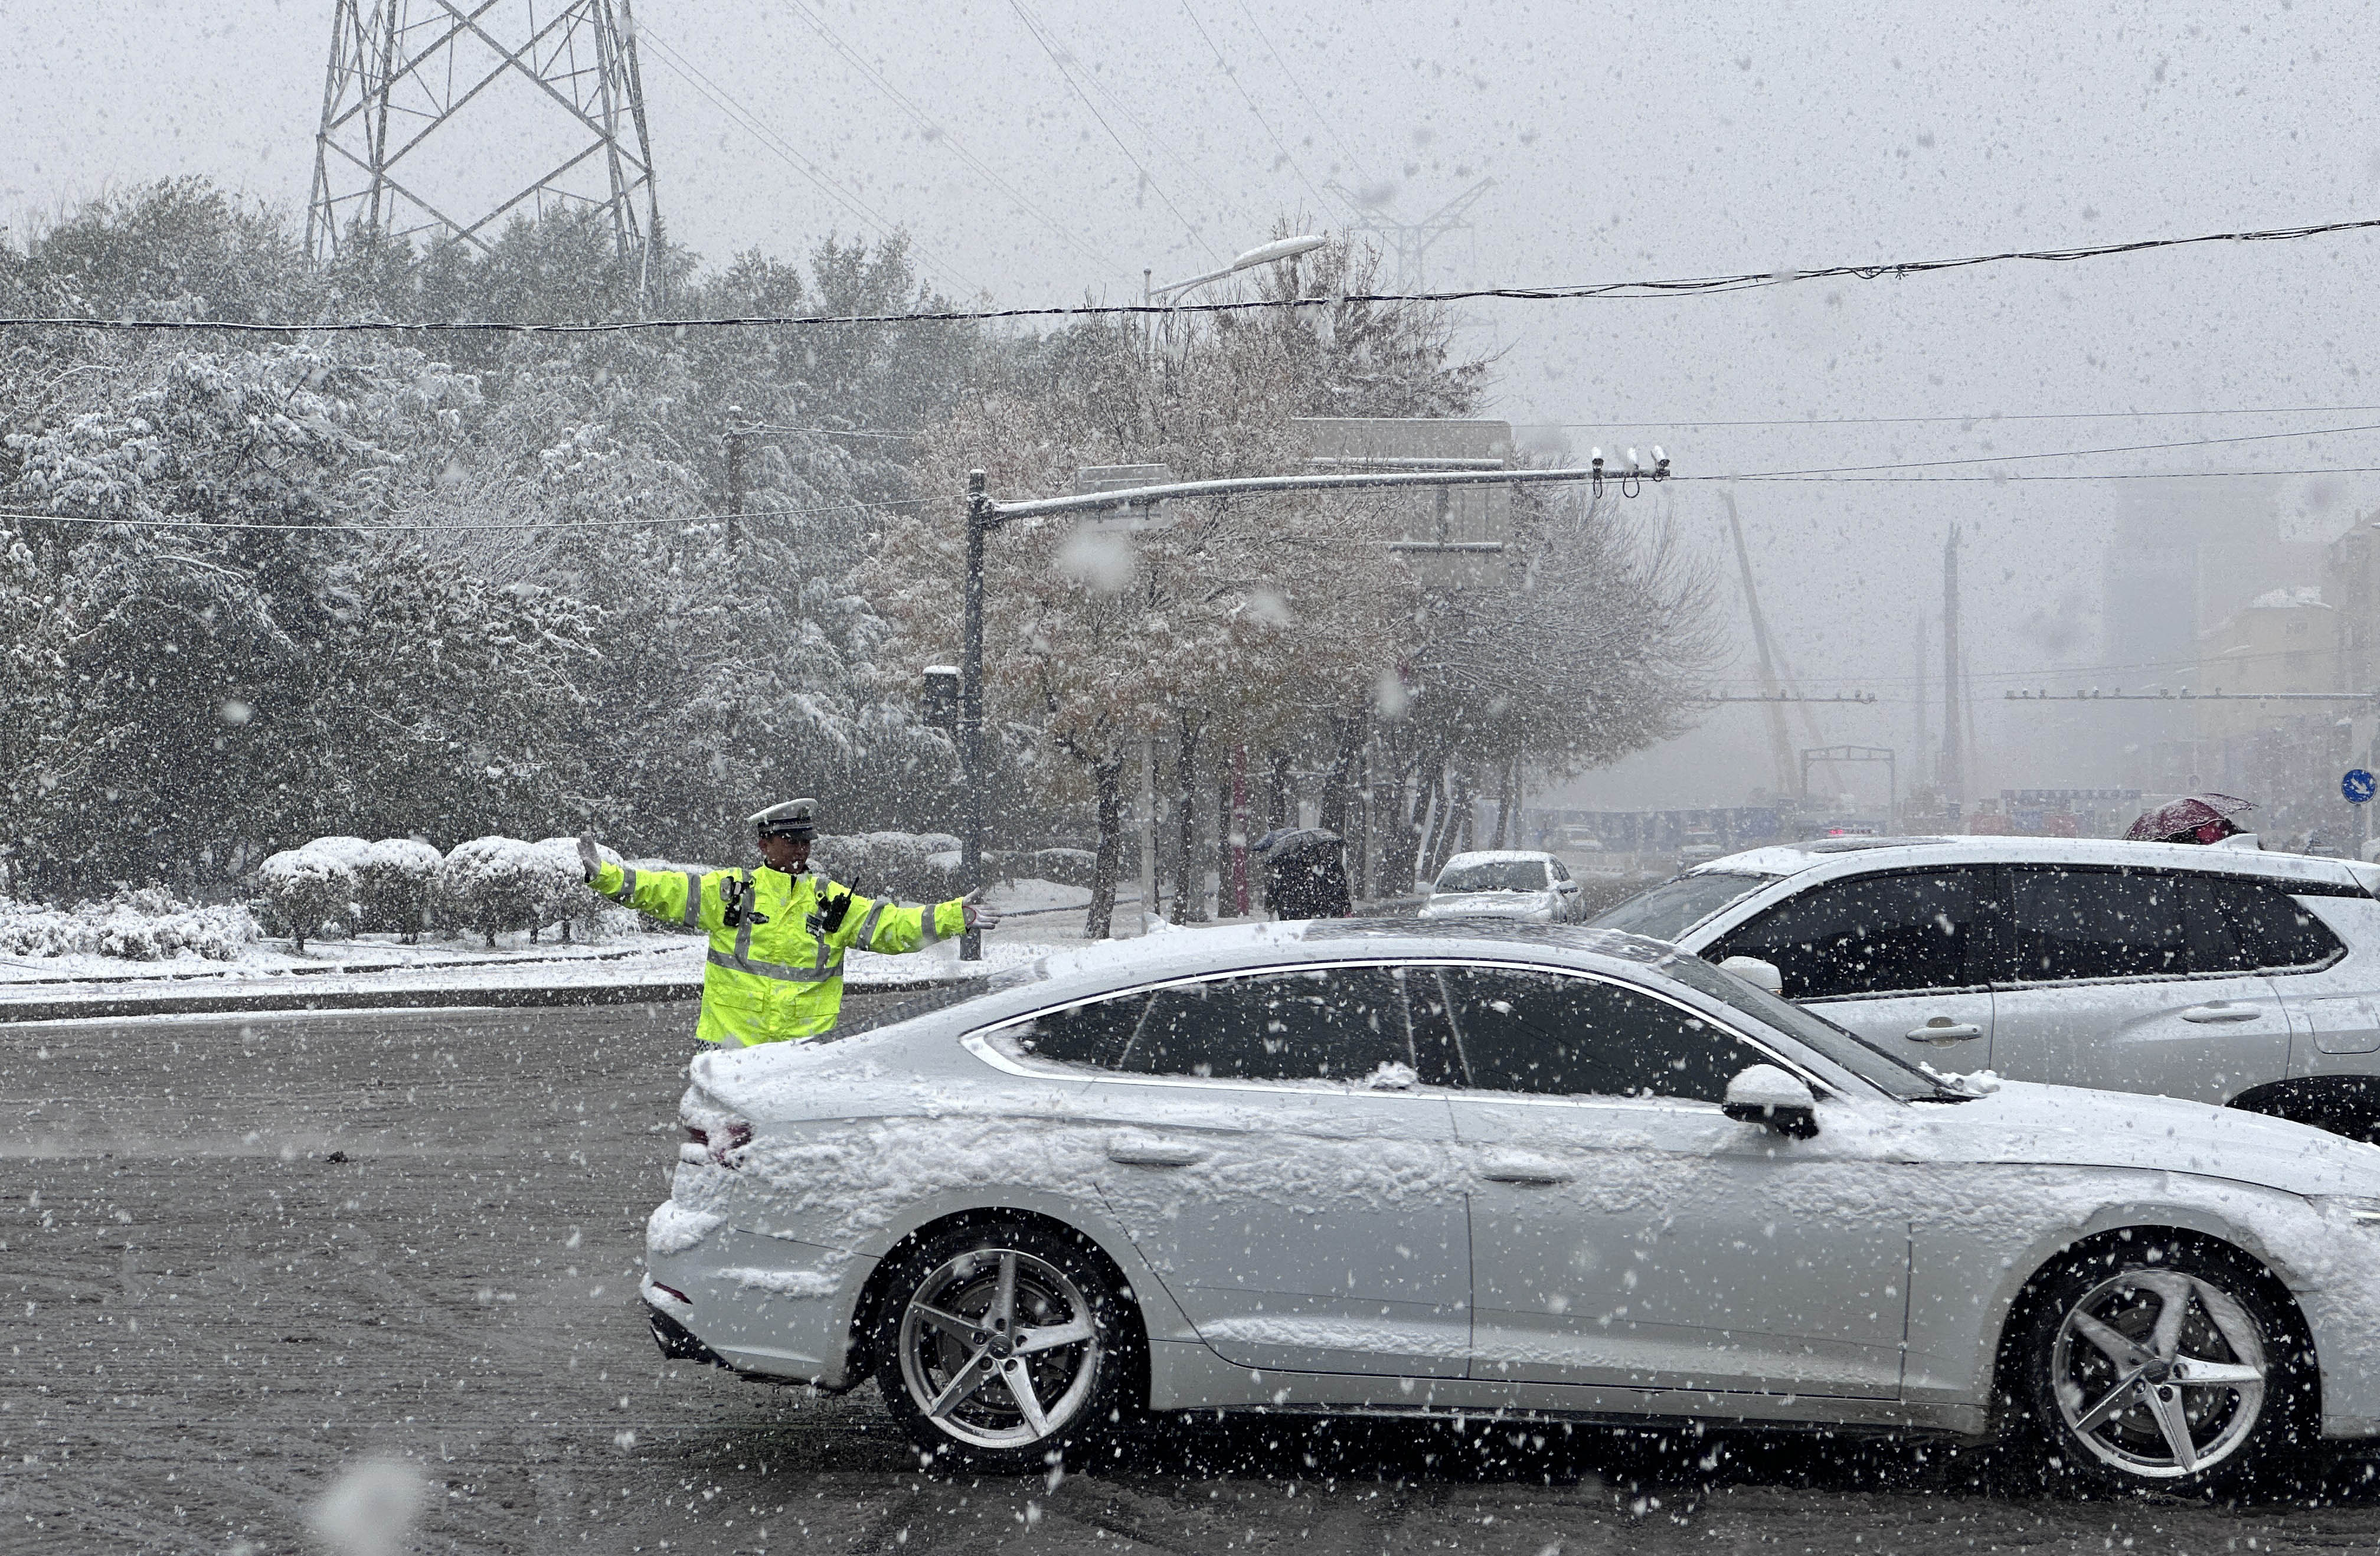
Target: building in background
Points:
(2179, 563)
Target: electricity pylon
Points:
(1409, 243)
(422, 95)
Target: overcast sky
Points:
(1625, 142)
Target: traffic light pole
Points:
(984, 515)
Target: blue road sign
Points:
(2357, 786)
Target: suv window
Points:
(1870, 934)
(1314, 1024)
(1550, 1032)
(2274, 933)
(2077, 923)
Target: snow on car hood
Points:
(2022, 1122)
(1486, 905)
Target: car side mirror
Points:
(1764, 1094)
(1759, 974)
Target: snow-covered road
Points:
(236, 1256)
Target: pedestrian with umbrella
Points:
(2199, 818)
(1304, 876)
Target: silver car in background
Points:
(2222, 975)
(1520, 1170)
(1504, 883)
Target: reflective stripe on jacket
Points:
(774, 981)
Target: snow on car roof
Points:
(1858, 855)
(1497, 856)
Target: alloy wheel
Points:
(2159, 1374)
(998, 1348)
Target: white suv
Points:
(2223, 975)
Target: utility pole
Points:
(978, 524)
(1953, 774)
(468, 83)
(736, 434)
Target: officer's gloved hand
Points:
(979, 915)
(590, 853)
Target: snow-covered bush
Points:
(147, 925)
(568, 900)
(352, 852)
(911, 867)
(493, 885)
(303, 887)
(396, 878)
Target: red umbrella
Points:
(2192, 819)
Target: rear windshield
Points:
(1671, 908)
(1883, 1071)
(1494, 875)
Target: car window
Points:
(1671, 908)
(1436, 1055)
(1314, 1024)
(1095, 1034)
(1878, 1066)
(1549, 1032)
(2070, 923)
(1561, 871)
(1494, 875)
(1869, 934)
(2273, 933)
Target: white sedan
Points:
(1527, 1170)
(1504, 883)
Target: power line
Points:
(1068, 77)
(892, 434)
(1330, 125)
(2002, 477)
(1225, 66)
(943, 137)
(693, 76)
(2078, 453)
(1121, 102)
(334, 527)
(1979, 418)
(1600, 291)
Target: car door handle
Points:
(1942, 1030)
(2219, 1011)
(1155, 1153)
(1527, 1173)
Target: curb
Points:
(109, 1007)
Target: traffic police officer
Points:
(777, 933)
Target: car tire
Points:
(2163, 1365)
(1005, 1346)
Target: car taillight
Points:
(673, 1294)
(719, 1143)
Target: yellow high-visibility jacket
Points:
(776, 982)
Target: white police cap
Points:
(792, 818)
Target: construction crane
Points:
(1777, 687)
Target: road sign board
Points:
(2357, 786)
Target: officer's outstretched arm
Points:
(674, 897)
(889, 928)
